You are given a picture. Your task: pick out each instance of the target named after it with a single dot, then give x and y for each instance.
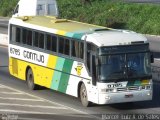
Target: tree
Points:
(86, 2)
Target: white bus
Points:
(97, 64)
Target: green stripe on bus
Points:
(65, 77)
(56, 80)
(78, 36)
(69, 34)
(137, 83)
(60, 63)
(57, 75)
(130, 83)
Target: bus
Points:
(96, 64)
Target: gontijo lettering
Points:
(33, 56)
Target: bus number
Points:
(14, 51)
(114, 85)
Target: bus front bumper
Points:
(122, 97)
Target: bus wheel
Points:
(30, 80)
(84, 96)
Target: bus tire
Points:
(30, 80)
(84, 96)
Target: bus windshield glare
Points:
(124, 66)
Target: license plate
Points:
(128, 95)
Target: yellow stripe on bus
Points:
(61, 32)
(52, 61)
(145, 82)
(51, 64)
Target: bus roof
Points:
(116, 37)
(100, 36)
(62, 26)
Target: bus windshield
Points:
(122, 66)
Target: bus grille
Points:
(131, 88)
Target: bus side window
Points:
(49, 42)
(90, 48)
(54, 44)
(29, 37)
(18, 35)
(81, 50)
(64, 46)
(13, 33)
(41, 40)
(61, 45)
(67, 47)
(36, 39)
(77, 49)
(24, 36)
(74, 50)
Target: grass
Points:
(7, 6)
(142, 18)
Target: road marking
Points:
(20, 118)
(54, 103)
(26, 112)
(2, 86)
(11, 93)
(34, 106)
(20, 99)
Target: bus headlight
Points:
(146, 87)
(143, 87)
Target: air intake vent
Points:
(59, 20)
(137, 42)
(105, 29)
